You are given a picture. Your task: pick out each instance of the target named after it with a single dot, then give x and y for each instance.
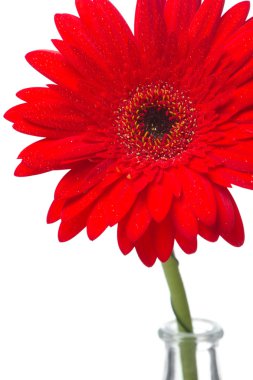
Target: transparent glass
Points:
(191, 356)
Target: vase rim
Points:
(204, 331)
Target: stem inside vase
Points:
(182, 313)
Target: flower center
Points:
(157, 122)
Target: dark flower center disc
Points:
(157, 121)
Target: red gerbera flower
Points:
(153, 127)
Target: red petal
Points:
(52, 65)
(237, 237)
(122, 197)
(163, 237)
(172, 179)
(245, 117)
(83, 177)
(40, 94)
(36, 130)
(185, 226)
(24, 170)
(58, 154)
(179, 14)
(209, 233)
(159, 198)
(241, 99)
(145, 248)
(239, 49)
(243, 75)
(70, 228)
(112, 206)
(183, 219)
(97, 221)
(238, 158)
(186, 244)
(138, 219)
(54, 212)
(225, 177)
(76, 205)
(229, 219)
(109, 32)
(80, 51)
(232, 20)
(199, 196)
(47, 114)
(95, 79)
(206, 20)
(150, 29)
(125, 244)
(58, 116)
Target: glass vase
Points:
(191, 356)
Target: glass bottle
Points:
(191, 356)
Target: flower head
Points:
(154, 127)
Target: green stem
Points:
(181, 310)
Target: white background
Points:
(81, 310)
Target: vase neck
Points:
(198, 351)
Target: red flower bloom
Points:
(153, 127)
